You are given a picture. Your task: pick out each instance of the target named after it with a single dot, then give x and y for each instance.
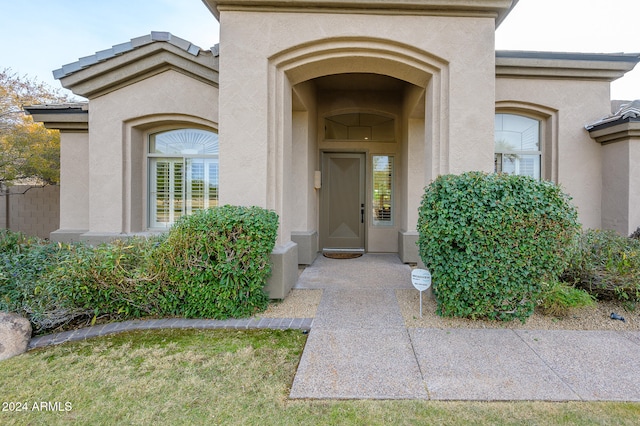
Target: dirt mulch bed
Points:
(297, 304)
(593, 318)
(304, 304)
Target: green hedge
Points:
(212, 264)
(491, 240)
(218, 261)
(112, 280)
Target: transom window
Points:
(517, 145)
(359, 126)
(183, 174)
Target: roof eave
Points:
(498, 8)
(621, 130)
(565, 65)
(70, 117)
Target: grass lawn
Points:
(174, 377)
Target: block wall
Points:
(34, 211)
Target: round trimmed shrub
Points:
(491, 240)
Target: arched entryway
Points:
(364, 119)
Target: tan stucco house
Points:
(335, 114)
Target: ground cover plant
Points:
(607, 266)
(559, 299)
(193, 377)
(212, 264)
(492, 240)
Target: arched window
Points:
(183, 174)
(517, 145)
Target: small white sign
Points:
(421, 279)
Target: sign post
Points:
(421, 280)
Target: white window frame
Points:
(181, 200)
(515, 155)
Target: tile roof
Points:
(119, 49)
(627, 112)
(67, 106)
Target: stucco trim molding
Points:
(619, 127)
(307, 61)
(302, 62)
(498, 9)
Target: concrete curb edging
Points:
(171, 323)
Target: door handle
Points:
(361, 213)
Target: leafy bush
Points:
(218, 261)
(491, 240)
(17, 269)
(212, 264)
(23, 263)
(11, 242)
(110, 279)
(606, 265)
(558, 298)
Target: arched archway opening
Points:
(319, 91)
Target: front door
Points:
(342, 200)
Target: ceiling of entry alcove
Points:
(362, 82)
(359, 81)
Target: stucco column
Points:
(244, 130)
(621, 175)
(74, 185)
(255, 139)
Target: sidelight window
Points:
(383, 190)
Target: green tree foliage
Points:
(27, 149)
(491, 240)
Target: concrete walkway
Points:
(359, 348)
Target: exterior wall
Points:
(74, 185)
(34, 211)
(634, 184)
(615, 199)
(120, 123)
(260, 61)
(305, 163)
(621, 161)
(418, 171)
(621, 198)
(572, 158)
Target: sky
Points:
(38, 36)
